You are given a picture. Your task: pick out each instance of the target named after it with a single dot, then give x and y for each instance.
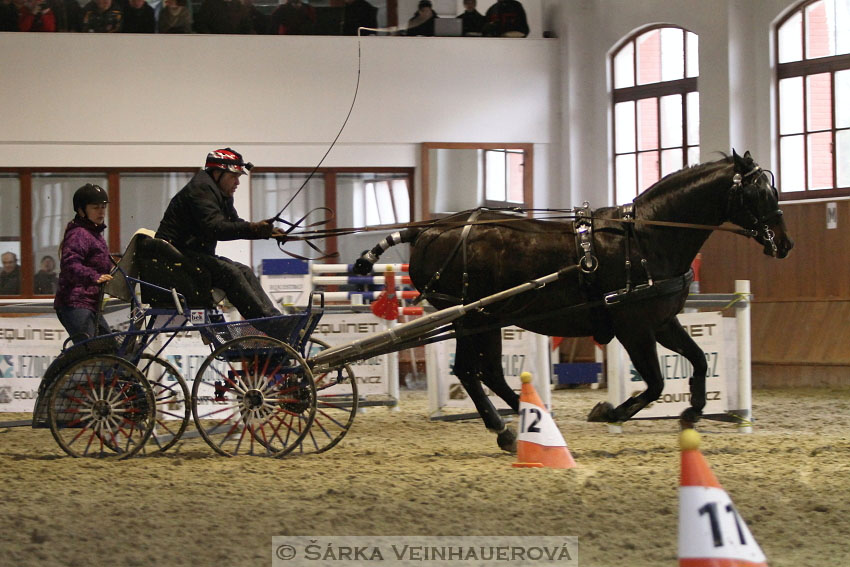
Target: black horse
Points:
(631, 276)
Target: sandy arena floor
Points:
(399, 474)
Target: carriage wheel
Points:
(101, 407)
(171, 400)
(254, 395)
(336, 404)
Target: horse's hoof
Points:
(362, 267)
(689, 418)
(507, 440)
(603, 412)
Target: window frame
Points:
(805, 68)
(113, 175)
(527, 174)
(656, 90)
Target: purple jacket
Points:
(85, 257)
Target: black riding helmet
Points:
(89, 194)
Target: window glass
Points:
(791, 106)
(671, 121)
(819, 101)
(10, 234)
(515, 176)
(693, 54)
(647, 123)
(624, 67)
(791, 39)
(842, 92)
(842, 24)
(647, 169)
(693, 118)
(792, 173)
(269, 193)
(144, 198)
(672, 54)
(52, 210)
(693, 155)
(842, 158)
(495, 172)
(401, 199)
(648, 57)
(626, 178)
(820, 160)
(671, 160)
(820, 39)
(624, 136)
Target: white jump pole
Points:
(745, 378)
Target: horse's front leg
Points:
(642, 351)
(473, 362)
(673, 336)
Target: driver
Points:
(202, 213)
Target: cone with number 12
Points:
(539, 444)
(711, 532)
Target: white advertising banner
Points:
(27, 347)
(715, 336)
(374, 374)
(522, 351)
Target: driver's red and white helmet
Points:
(228, 160)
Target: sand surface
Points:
(397, 473)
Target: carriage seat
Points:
(161, 264)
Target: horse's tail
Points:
(364, 263)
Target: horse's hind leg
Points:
(473, 362)
(642, 351)
(673, 336)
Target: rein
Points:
(329, 232)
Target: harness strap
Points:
(427, 290)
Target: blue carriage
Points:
(117, 395)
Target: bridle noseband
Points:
(757, 223)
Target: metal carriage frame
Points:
(115, 395)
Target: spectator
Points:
(8, 16)
(138, 17)
(293, 18)
(36, 16)
(506, 18)
(422, 22)
(101, 16)
(359, 14)
(223, 16)
(84, 265)
(473, 20)
(44, 282)
(10, 277)
(69, 15)
(175, 17)
(259, 21)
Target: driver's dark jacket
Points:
(200, 215)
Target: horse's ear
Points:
(738, 160)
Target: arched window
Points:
(813, 119)
(656, 107)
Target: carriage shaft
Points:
(377, 343)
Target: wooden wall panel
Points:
(801, 304)
(817, 268)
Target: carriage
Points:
(117, 395)
(617, 271)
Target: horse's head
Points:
(754, 205)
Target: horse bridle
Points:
(757, 223)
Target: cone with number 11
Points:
(711, 532)
(539, 443)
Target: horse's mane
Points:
(684, 178)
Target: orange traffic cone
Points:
(540, 444)
(711, 532)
